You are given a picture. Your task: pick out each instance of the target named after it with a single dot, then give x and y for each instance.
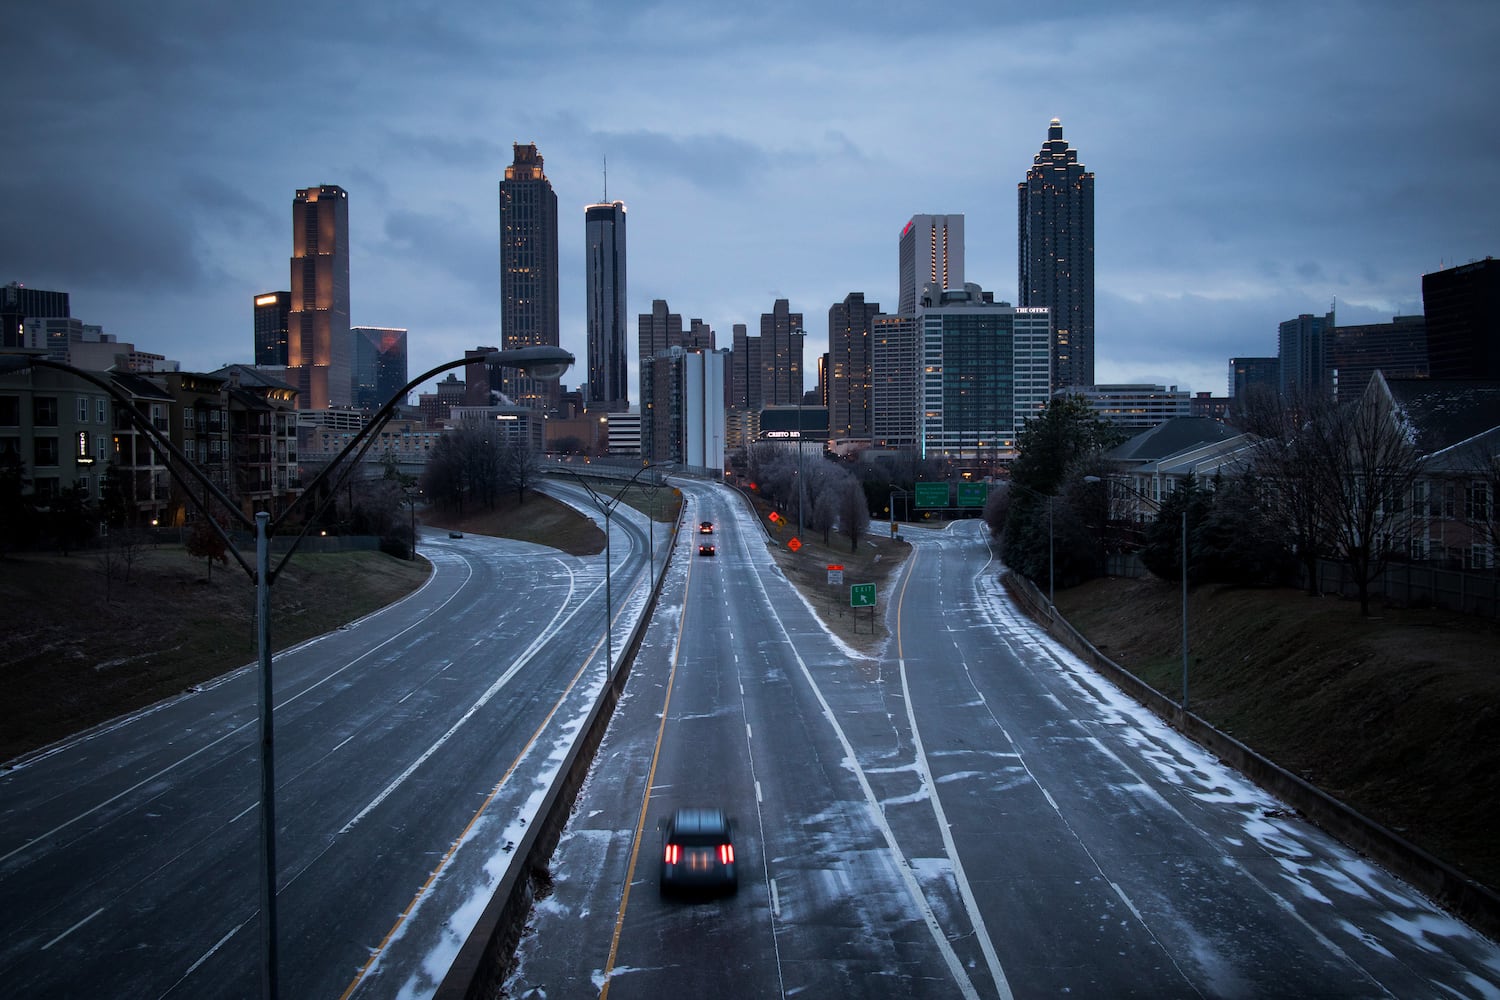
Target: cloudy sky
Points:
(1252, 161)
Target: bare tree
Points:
(854, 512)
(523, 470)
(1343, 472)
(1283, 460)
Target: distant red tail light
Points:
(726, 854)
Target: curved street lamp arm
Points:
(521, 358)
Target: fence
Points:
(1403, 584)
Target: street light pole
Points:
(1157, 504)
(607, 508)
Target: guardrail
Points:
(1451, 888)
(479, 970)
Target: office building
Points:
(682, 407)
(932, 253)
(895, 370)
(658, 330)
(604, 258)
(985, 370)
(528, 273)
(272, 317)
(19, 303)
(318, 346)
(1302, 351)
(744, 371)
(1397, 349)
(845, 378)
(1055, 254)
(1135, 407)
(1462, 307)
(1248, 376)
(379, 365)
(781, 340)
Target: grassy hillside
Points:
(1397, 715)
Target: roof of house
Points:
(1170, 437)
(1446, 412)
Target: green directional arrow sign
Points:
(932, 494)
(862, 595)
(973, 494)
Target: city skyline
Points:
(159, 205)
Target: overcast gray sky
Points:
(1252, 162)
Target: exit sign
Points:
(862, 595)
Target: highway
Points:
(970, 813)
(411, 746)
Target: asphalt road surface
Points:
(411, 749)
(971, 812)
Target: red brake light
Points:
(726, 854)
(673, 853)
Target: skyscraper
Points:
(985, 372)
(932, 252)
(1462, 305)
(318, 346)
(528, 272)
(1055, 254)
(379, 365)
(781, 340)
(272, 317)
(604, 248)
(847, 375)
(1302, 350)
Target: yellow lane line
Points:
(640, 824)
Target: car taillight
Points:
(726, 854)
(673, 853)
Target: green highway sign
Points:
(932, 494)
(973, 494)
(862, 595)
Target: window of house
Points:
(10, 447)
(83, 409)
(46, 488)
(101, 411)
(1477, 502)
(44, 411)
(10, 411)
(1477, 557)
(45, 451)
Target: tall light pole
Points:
(537, 362)
(607, 507)
(1157, 504)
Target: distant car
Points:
(706, 549)
(705, 527)
(455, 534)
(698, 852)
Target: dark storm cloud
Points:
(67, 229)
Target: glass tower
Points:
(318, 345)
(604, 237)
(1055, 255)
(528, 272)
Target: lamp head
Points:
(547, 363)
